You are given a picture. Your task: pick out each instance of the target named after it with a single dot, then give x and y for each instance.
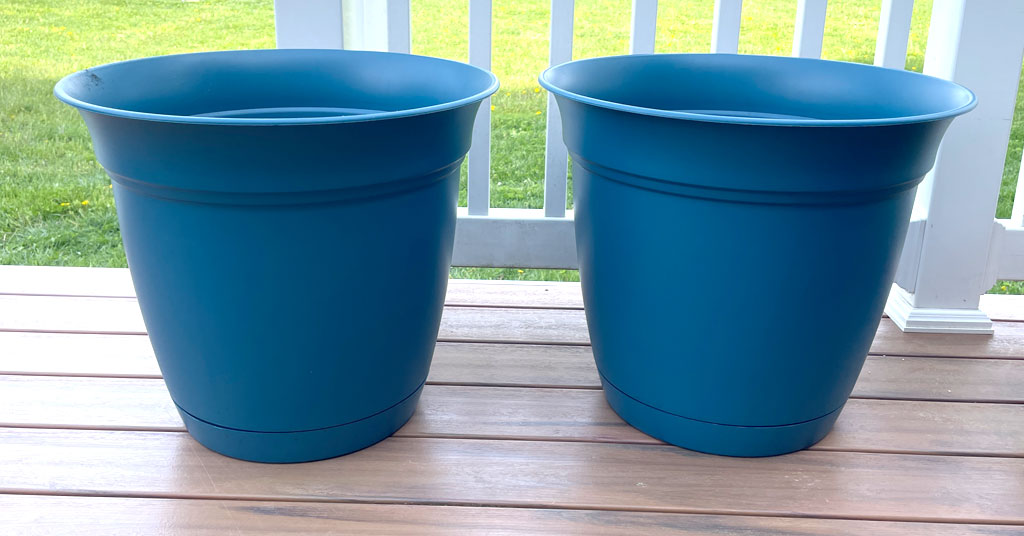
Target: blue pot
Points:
(738, 222)
(288, 218)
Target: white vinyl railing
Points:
(478, 186)
(955, 249)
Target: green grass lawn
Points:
(55, 202)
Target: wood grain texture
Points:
(906, 378)
(569, 327)
(1007, 343)
(62, 314)
(77, 354)
(557, 474)
(578, 415)
(941, 378)
(71, 314)
(75, 402)
(535, 414)
(953, 428)
(514, 365)
(479, 324)
(887, 377)
(66, 281)
(117, 282)
(539, 326)
(501, 424)
(78, 281)
(534, 294)
(32, 515)
(1003, 307)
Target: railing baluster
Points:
(478, 194)
(399, 26)
(810, 28)
(893, 33)
(644, 26)
(308, 24)
(725, 29)
(556, 158)
(979, 45)
(1017, 216)
(365, 24)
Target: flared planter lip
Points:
(64, 90)
(736, 62)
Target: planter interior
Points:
(749, 89)
(276, 87)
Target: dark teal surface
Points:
(738, 223)
(288, 218)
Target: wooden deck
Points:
(512, 436)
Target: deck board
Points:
(76, 354)
(104, 516)
(512, 436)
(62, 314)
(116, 282)
(523, 365)
(520, 473)
(525, 413)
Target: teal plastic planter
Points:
(288, 218)
(738, 222)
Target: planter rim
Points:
(547, 83)
(61, 92)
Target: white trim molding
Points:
(910, 319)
(959, 251)
(517, 237)
(1005, 260)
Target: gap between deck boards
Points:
(509, 365)
(116, 282)
(550, 327)
(648, 478)
(555, 473)
(515, 506)
(866, 425)
(209, 517)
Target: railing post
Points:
(643, 27)
(810, 28)
(399, 20)
(556, 156)
(350, 24)
(725, 27)
(308, 24)
(478, 189)
(980, 45)
(893, 33)
(381, 25)
(365, 25)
